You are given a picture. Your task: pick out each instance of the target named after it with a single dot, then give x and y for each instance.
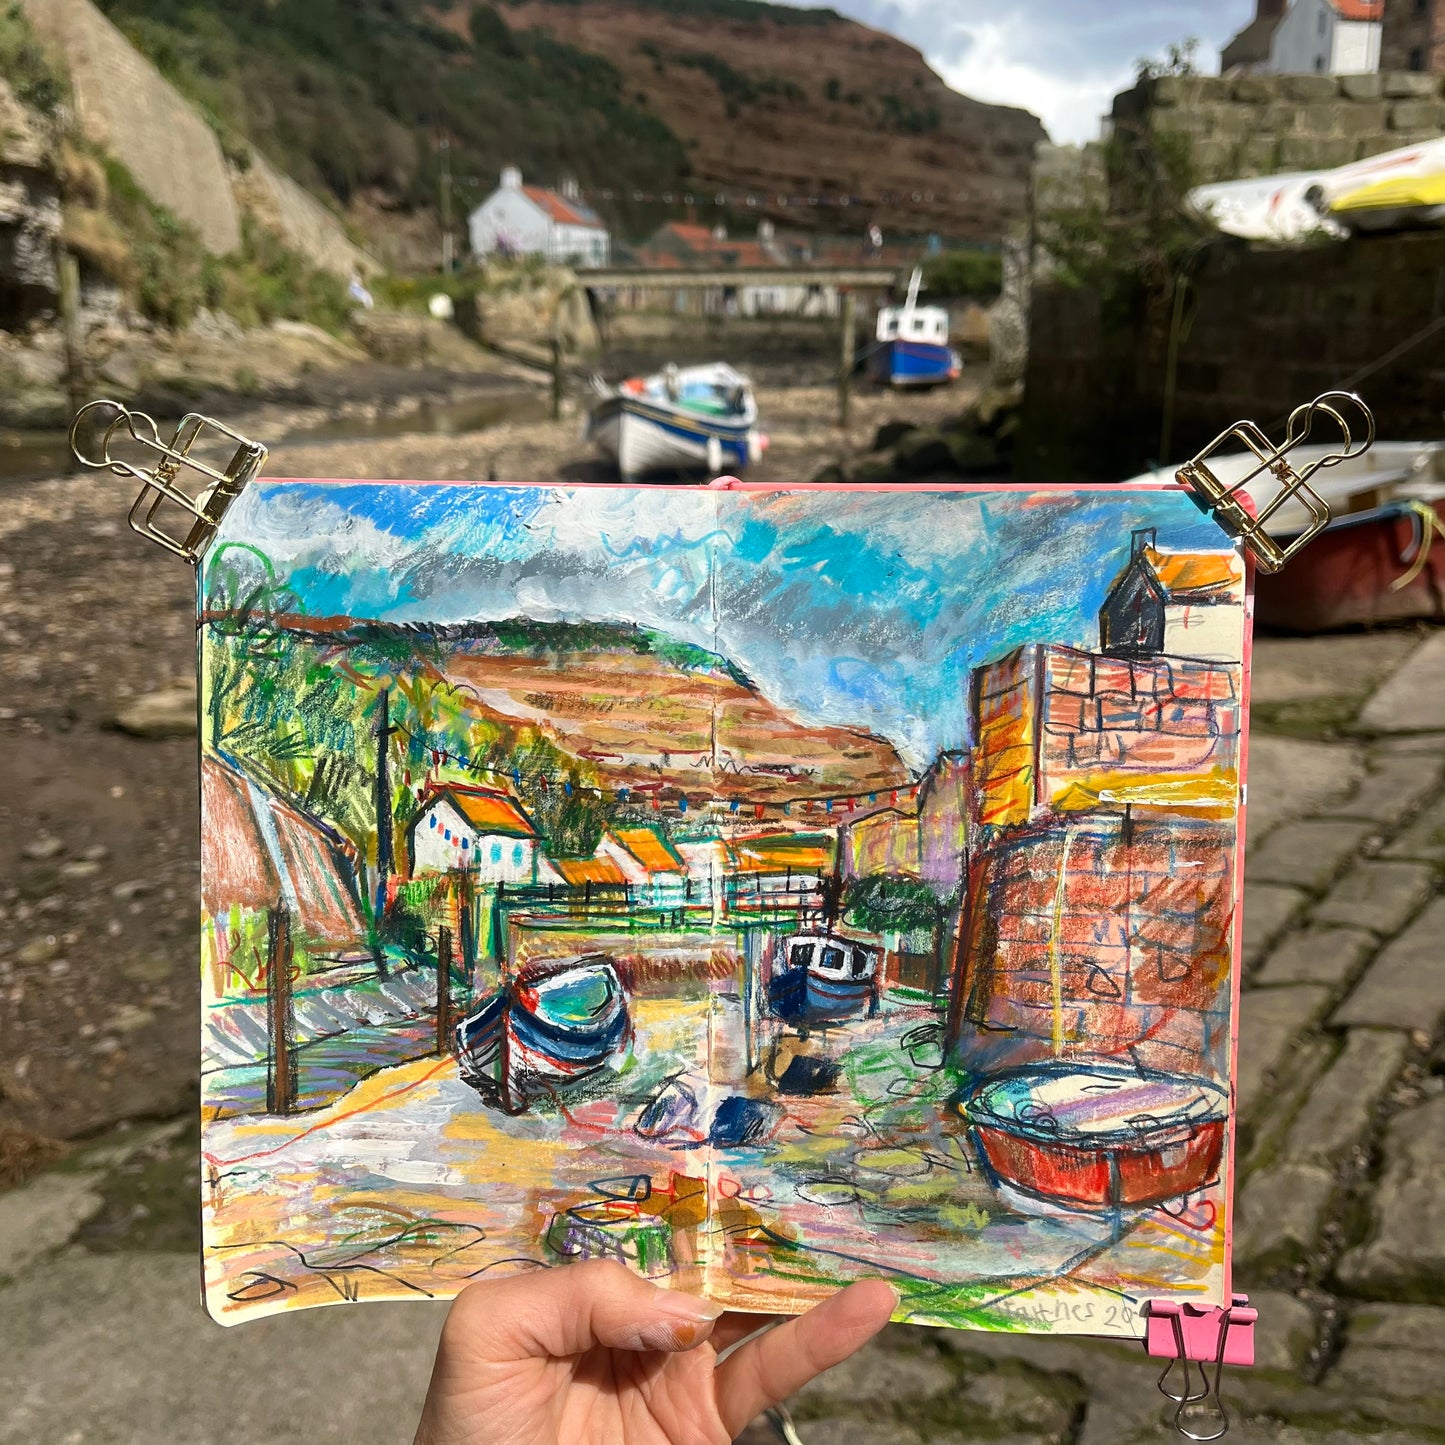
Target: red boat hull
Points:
(1344, 577)
(1109, 1178)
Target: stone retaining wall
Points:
(1267, 330)
(123, 103)
(1255, 125)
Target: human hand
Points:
(589, 1354)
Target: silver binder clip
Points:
(179, 479)
(1245, 519)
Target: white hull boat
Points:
(683, 419)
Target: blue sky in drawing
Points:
(862, 609)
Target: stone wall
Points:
(1255, 125)
(290, 210)
(1268, 330)
(1413, 37)
(123, 103)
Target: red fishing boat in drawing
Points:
(1097, 1135)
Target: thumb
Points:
(572, 1308)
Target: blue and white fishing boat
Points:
(824, 977)
(912, 347)
(546, 1031)
(691, 418)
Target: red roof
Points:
(1359, 9)
(699, 246)
(559, 209)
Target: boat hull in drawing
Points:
(1097, 1136)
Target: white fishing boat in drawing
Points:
(690, 418)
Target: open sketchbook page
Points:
(763, 889)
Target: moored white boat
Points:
(690, 418)
(911, 346)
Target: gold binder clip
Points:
(179, 479)
(1228, 502)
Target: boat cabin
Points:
(924, 324)
(827, 956)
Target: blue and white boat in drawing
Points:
(911, 347)
(822, 977)
(547, 1031)
(681, 419)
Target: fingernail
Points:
(691, 1320)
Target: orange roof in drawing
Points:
(579, 872)
(651, 849)
(1195, 576)
(781, 853)
(491, 813)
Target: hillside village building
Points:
(687, 245)
(1309, 37)
(478, 831)
(522, 220)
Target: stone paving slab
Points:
(1270, 1020)
(1308, 853)
(1393, 788)
(1380, 896)
(43, 1216)
(1404, 988)
(122, 1341)
(1397, 1351)
(1278, 1216)
(1412, 699)
(1404, 1258)
(1318, 955)
(1412, 745)
(1423, 839)
(1337, 1114)
(1290, 777)
(1268, 909)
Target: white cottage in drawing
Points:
(477, 830)
(520, 220)
(1183, 604)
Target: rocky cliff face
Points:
(29, 210)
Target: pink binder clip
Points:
(1201, 1333)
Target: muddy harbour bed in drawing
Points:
(765, 889)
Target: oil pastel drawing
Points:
(765, 889)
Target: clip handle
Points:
(178, 481)
(1243, 516)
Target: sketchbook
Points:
(762, 887)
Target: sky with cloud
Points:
(864, 609)
(1062, 59)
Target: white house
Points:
(1303, 37)
(476, 830)
(520, 220)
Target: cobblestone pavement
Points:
(1340, 1236)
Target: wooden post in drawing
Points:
(444, 990)
(845, 360)
(280, 1015)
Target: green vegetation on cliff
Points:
(348, 94)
